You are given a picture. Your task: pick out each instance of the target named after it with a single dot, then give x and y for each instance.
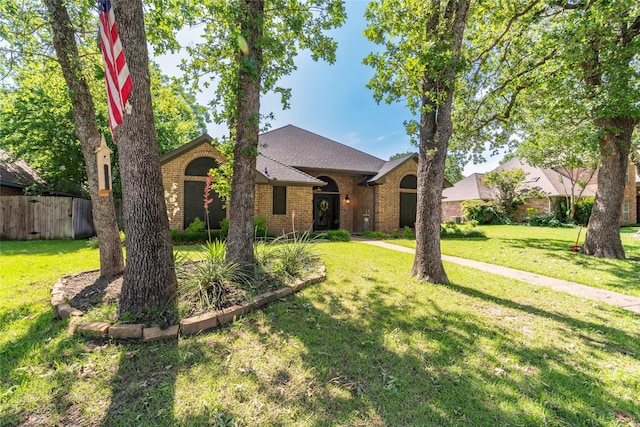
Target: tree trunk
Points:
(603, 231)
(149, 285)
(104, 217)
(427, 264)
(435, 131)
(241, 205)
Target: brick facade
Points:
(381, 202)
(629, 213)
(10, 191)
(173, 178)
(450, 210)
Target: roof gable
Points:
(469, 188)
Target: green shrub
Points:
(453, 230)
(338, 235)
(291, 255)
(196, 226)
(212, 277)
(583, 210)
(375, 235)
(481, 211)
(394, 233)
(548, 220)
(185, 238)
(94, 243)
(259, 227)
(408, 233)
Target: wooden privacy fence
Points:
(45, 217)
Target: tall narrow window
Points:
(279, 200)
(625, 211)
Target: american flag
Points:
(116, 71)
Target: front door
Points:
(326, 212)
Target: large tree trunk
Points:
(241, 205)
(434, 140)
(603, 231)
(104, 217)
(435, 131)
(149, 283)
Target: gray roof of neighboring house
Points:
(543, 179)
(16, 173)
(549, 181)
(303, 149)
(469, 188)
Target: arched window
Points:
(201, 166)
(331, 187)
(409, 182)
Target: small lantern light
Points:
(346, 199)
(103, 159)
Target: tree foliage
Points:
(418, 64)
(245, 48)
(37, 121)
(557, 67)
(508, 189)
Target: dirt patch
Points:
(87, 290)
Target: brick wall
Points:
(387, 197)
(299, 199)
(451, 209)
(542, 207)
(381, 202)
(173, 179)
(630, 197)
(10, 191)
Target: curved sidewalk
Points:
(626, 302)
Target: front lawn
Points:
(370, 347)
(545, 250)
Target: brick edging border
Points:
(188, 326)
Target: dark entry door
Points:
(194, 205)
(408, 203)
(326, 212)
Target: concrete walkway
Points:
(627, 302)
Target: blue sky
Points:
(333, 101)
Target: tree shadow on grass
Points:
(559, 249)
(383, 364)
(144, 387)
(39, 369)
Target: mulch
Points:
(87, 290)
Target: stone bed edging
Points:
(189, 326)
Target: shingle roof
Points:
(303, 149)
(543, 179)
(469, 188)
(16, 173)
(272, 171)
(549, 181)
(275, 171)
(388, 167)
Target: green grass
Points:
(370, 347)
(545, 251)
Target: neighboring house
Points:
(15, 175)
(329, 185)
(26, 217)
(553, 184)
